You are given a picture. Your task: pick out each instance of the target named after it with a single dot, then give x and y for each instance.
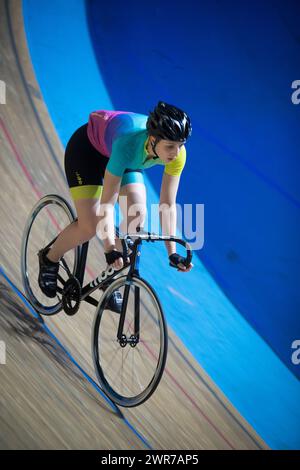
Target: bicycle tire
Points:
(104, 381)
(27, 283)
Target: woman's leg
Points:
(132, 202)
(78, 232)
(84, 168)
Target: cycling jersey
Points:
(122, 137)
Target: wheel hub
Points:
(133, 341)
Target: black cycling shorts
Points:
(85, 167)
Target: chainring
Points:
(71, 296)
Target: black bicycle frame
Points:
(107, 276)
(105, 279)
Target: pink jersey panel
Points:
(98, 121)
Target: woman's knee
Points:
(133, 218)
(132, 202)
(137, 210)
(87, 217)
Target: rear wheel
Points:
(47, 219)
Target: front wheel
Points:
(130, 370)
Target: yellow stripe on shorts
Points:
(86, 192)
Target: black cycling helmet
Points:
(169, 122)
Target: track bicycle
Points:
(129, 349)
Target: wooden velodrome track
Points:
(45, 400)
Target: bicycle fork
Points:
(134, 271)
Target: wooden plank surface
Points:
(44, 402)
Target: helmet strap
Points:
(153, 147)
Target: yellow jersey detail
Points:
(175, 168)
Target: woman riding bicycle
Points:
(105, 159)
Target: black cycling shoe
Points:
(114, 302)
(47, 274)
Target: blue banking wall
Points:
(231, 65)
(61, 43)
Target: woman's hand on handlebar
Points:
(115, 258)
(178, 262)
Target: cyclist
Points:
(105, 159)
